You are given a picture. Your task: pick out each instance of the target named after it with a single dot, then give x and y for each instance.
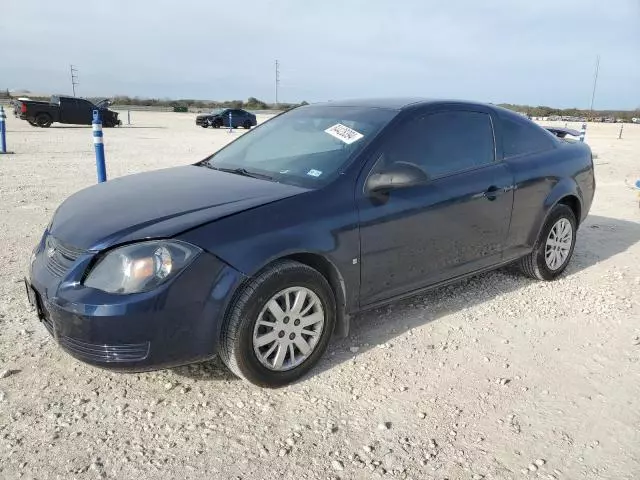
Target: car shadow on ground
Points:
(210, 370)
(599, 238)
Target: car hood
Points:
(158, 204)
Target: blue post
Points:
(128, 117)
(3, 132)
(230, 122)
(97, 142)
(583, 131)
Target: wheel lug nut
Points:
(296, 322)
(281, 334)
(292, 336)
(285, 319)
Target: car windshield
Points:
(216, 111)
(307, 146)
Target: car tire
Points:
(217, 123)
(554, 248)
(261, 347)
(204, 125)
(33, 124)
(247, 124)
(43, 120)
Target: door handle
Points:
(493, 192)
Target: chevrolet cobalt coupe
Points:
(262, 251)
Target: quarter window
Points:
(522, 138)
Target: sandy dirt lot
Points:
(499, 377)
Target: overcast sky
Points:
(538, 52)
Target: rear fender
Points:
(566, 187)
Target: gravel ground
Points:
(498, 377)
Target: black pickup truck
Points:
(71, 110)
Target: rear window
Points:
(523, 138)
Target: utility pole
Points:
(595, 82)
(74, 79)
(277, 80)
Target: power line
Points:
(74, 78)
(277, 79)
(595, 82)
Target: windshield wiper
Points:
(243, 171)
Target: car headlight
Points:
(140, 267)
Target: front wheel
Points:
(247, 124)
(279, 325)
(554, 248)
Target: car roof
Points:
(399, 103)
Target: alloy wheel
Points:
(558, 245)
(288, 328)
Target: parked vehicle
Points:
(263, 250)
(70, 110)
(220, 118)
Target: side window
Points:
(444, 143)
(520, 138)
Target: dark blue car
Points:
(264, 250)
(225, 117)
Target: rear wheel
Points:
(247, 124)
(43, 120)
(554, 247)
(279, 325)
(32, 123)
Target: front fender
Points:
(307, 225)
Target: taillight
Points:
(23, 108)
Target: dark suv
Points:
(222, 118)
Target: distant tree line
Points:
(252, 103)
(543, 111)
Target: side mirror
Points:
(399, 175)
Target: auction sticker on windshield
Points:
(344, 133)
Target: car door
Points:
(227, 116)
(68, 110)
(84, 112)
(239, 116)
(455, 223)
